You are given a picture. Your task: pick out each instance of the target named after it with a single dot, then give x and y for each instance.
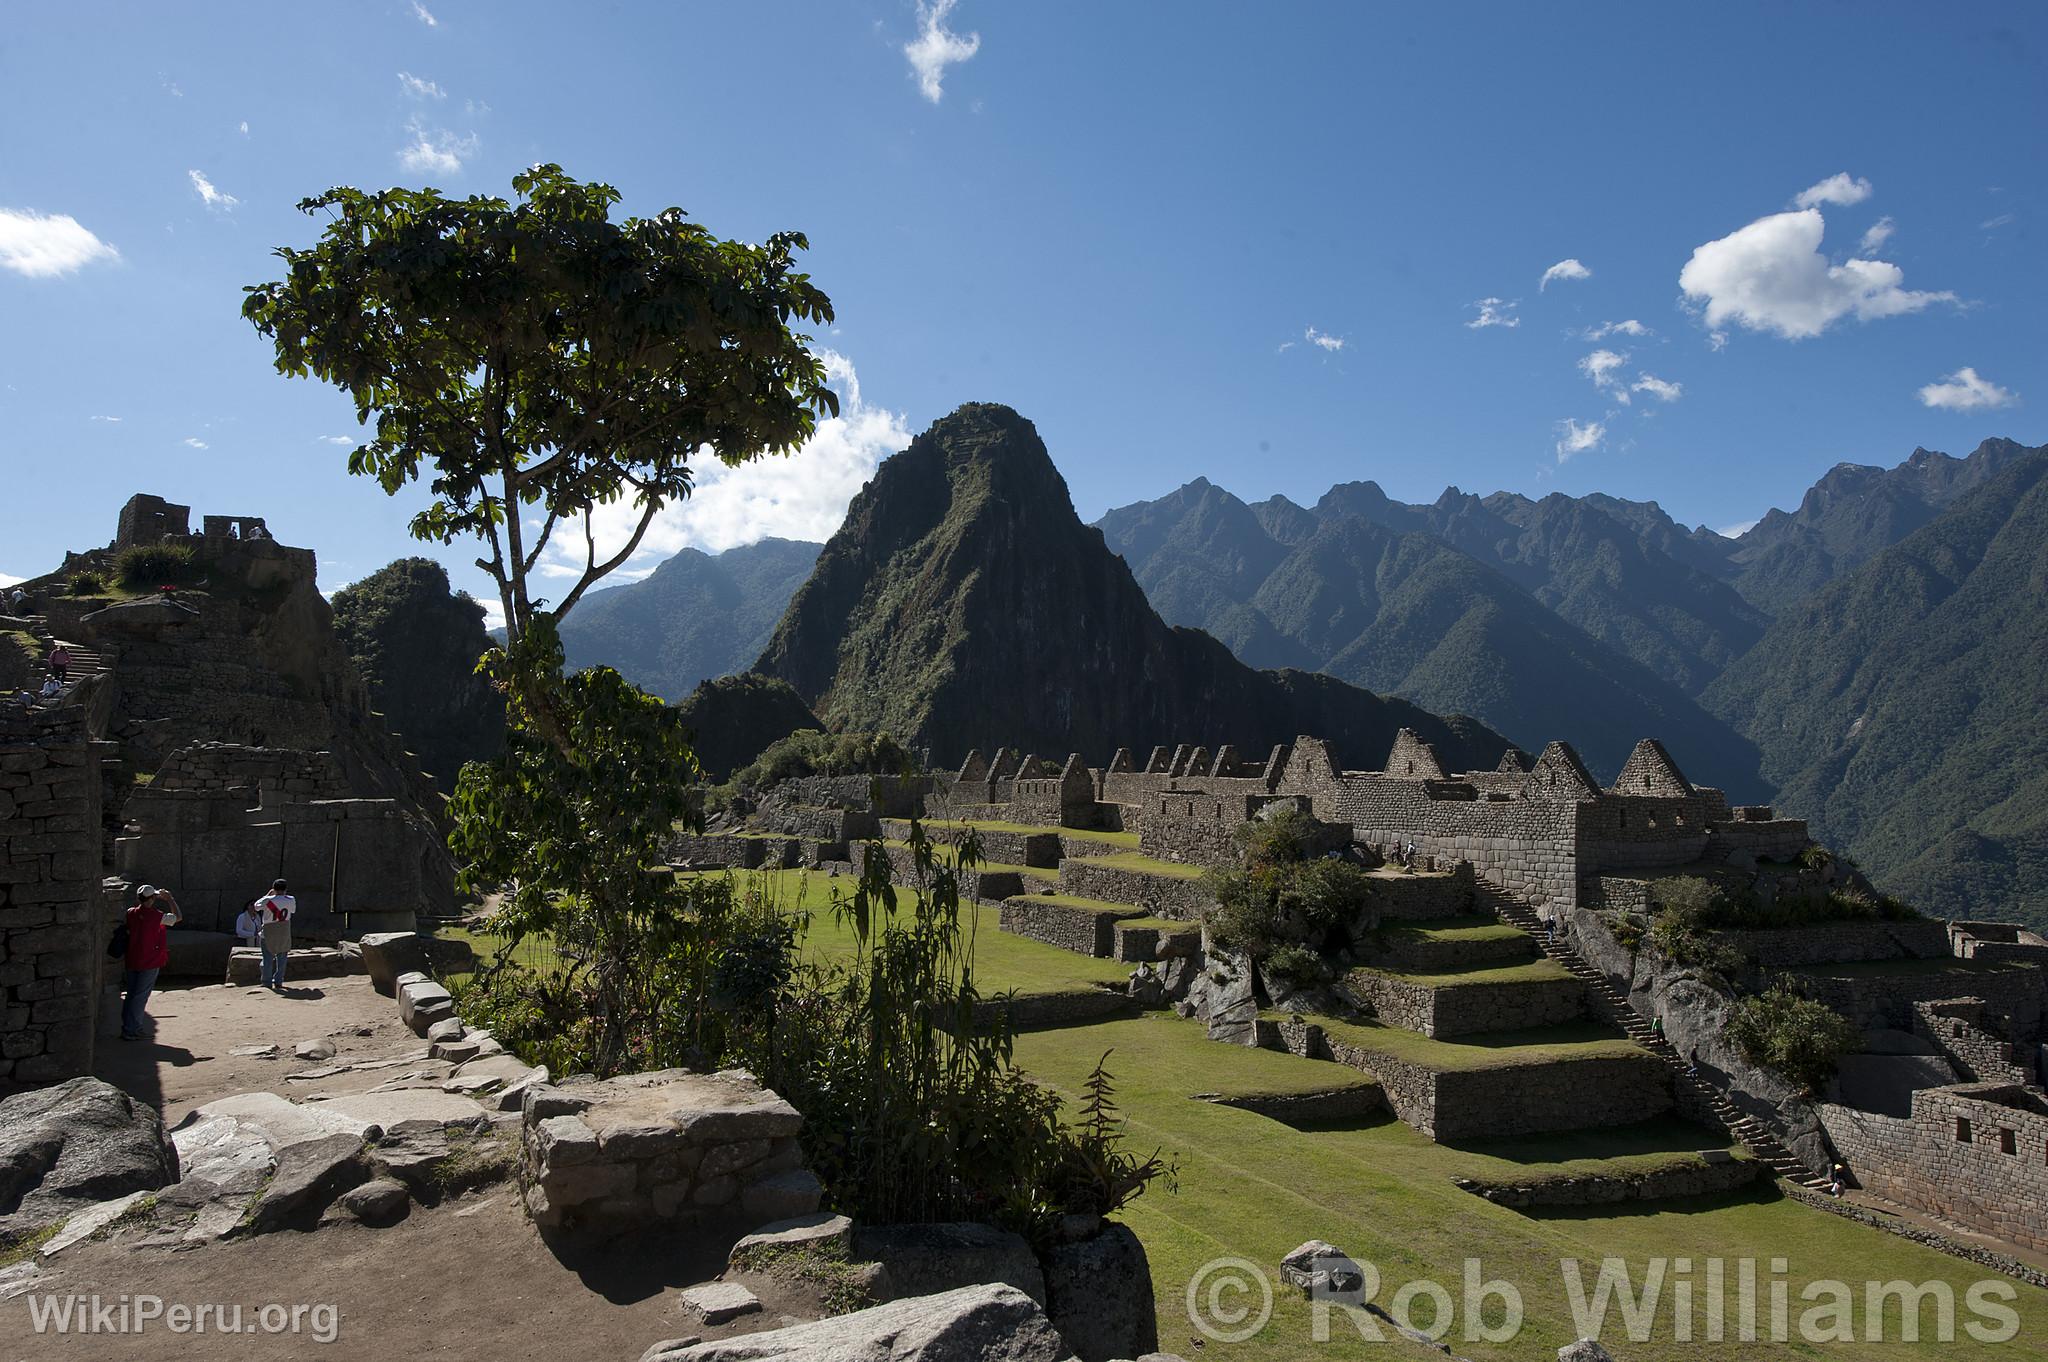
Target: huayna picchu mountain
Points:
(963, 603)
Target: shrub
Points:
(88, 583)
(808, 752)
(1795, 1037)
(142, 566)
(1282, 896)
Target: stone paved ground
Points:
(468, 1279)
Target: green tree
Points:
(538, 360)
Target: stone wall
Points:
(1974, 1153)
(663, 1148)
(1088, 931)
(1532, 1099)
(1835, 942)
(884, 796)
(1713, 1173)
(1465, 1008)
(1974, 1038)
(1160, 895)
(1527, 847)
(53, 921)
(223, 821)
(2018, 992)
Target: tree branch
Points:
(596, 571)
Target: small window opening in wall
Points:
(1962, 1130)
(1958, 1031)
(2007, 1142)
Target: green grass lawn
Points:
(1254, 1188)
(1145, 865)
(1496, 1050)
(1126, 840)
(1116, 910)
(1543, 971)
(1472, 928)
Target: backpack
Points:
(117, 947)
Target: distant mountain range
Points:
(697, 616)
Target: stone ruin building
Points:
(219, 738)
(1943, 1114)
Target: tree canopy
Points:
(535, 360)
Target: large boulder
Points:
(987, 1323)
(918, 1260)
(70, 1146)
(1099, 1296)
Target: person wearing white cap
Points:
(148, 951)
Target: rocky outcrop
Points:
(989, 1323)
(68, 1147)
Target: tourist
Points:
(17, 601)
(149, 950)
(1838, 1178)
(275, 910)
(52, 687)
(60, 662)
(248, 925)
(1657, 1026)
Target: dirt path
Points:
(468, 1279)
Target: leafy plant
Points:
(88, 583)
(1793, 1036)
(1281, 895)
(141, 567)
(809, 752)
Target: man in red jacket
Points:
(149, 950)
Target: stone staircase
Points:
(1612, 1005)
(84, 661)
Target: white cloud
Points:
(801, 496)
(2002, 220)
(1324, 340)
(420, 89)
(9, 579)
(1875, 235)
(334, 440)
(112, 420)
(193, 442)
(1770, 276)
(245, 127)
(1966, 390)
(424, 15)
(43, 246)
(1736, 531)
(937, 47)
(1840, 190)
(1494, 312)
(1658, 388)
(1562, 271)
(1573, 438)
(1717, 340)
(1600, 366)
(208, 195)
(436, 152)
(1629, 327)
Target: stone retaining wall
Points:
(1159, 895)
(53, 915)
(1086, 931)
(1012, 848)
(1138, 941)
(1466, 1009)
(1533, 1099)
(1423, 896)
(1309, 1108)
(1711, 1175)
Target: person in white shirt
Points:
(274, 911)
(248, 926)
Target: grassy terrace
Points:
(1254, 1187)
(1125, 840)
(1145, 865)
(1495, 1050)
(1474, 928)
(1118, 910)
(1535, 972)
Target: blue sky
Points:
(1246, 242)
